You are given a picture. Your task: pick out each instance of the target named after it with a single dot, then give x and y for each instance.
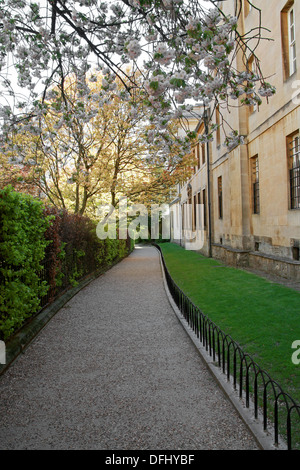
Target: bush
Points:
(75, 250)
(22, 249)
(71, 252)
(43, 251)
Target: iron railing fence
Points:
(72, 268)
(270, 403)
(58, 277)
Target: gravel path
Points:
(114, 369)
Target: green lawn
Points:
(263, 317)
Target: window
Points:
(294, 169)
(188, 212)
(201, 145)
(292, 40)
(255, 185)
(296, 253)
(199, 209)
(186, 217)
(288, 33)
(203, 153)
(251, 107)
(194, 160)
(220, 197)
(218, 132)
(194, 212)
(248, 7)
(204, 207)
(198, 155)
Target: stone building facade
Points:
(251, 195)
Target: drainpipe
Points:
(205, 119)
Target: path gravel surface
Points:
(115, 370)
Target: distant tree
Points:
(90, 144)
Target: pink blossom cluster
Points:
(182, 50)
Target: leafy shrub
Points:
(54, 253)
(43, 251)
(22, 249)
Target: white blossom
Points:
(266, 90)
(134, 49)
(90, 31)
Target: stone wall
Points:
(283, 267)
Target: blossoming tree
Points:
(91, 146)
(183, 49)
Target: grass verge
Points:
(262, 316)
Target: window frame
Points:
(287, 43)
(250, 65)
(218, 123)
(220, 196)
(203, 195)
(194, 214)
(198, 155)
(255, 185)
(293, 152)
(292, 41)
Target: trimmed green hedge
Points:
(44, 251)
(22, 250)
